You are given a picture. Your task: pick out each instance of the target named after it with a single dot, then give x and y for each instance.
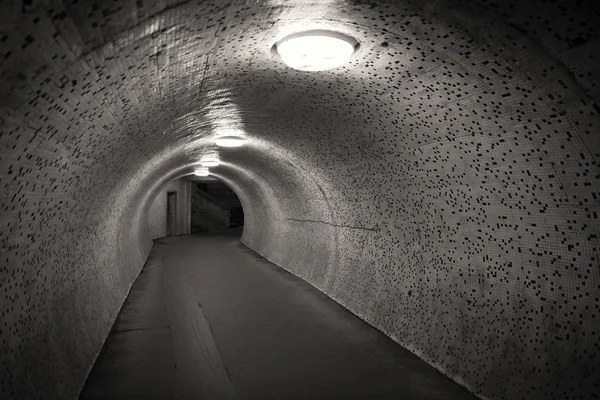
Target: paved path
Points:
(209, 319)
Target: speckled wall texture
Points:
(443, 185)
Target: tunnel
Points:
(432, 197)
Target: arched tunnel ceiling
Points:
(443, 185)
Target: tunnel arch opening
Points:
(214, 206)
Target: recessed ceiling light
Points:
(316, 50)
(210, 162)
(229, 141)
(201, 172)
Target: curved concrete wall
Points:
(443, 185)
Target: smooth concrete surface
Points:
(210, 319)
(157, 213)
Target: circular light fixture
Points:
(201, 172)
(316, 50)
(229, 141)
(210, 162)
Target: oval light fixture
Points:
(201, 172)
(316, 50)
(229, 141)
(210, 162)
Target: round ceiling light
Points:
(316, 50)
(210, 162)
(229, 141)
(201, 172)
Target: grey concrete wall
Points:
(443, 185)
(157, 214)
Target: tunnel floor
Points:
(210, 319)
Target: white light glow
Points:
(210, 162)
(229, 141)
(201, 172)
(227, 131)
(315, 51)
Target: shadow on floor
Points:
(210, 319)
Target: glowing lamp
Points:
(316, 50)
(210, 162)
(229, 141)
(201, 172)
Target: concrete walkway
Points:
(209, 319)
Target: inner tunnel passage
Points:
(432, 166)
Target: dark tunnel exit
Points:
(214, 206)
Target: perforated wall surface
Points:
(443, 185)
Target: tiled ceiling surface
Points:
(443, 185)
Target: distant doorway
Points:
(171, 213)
